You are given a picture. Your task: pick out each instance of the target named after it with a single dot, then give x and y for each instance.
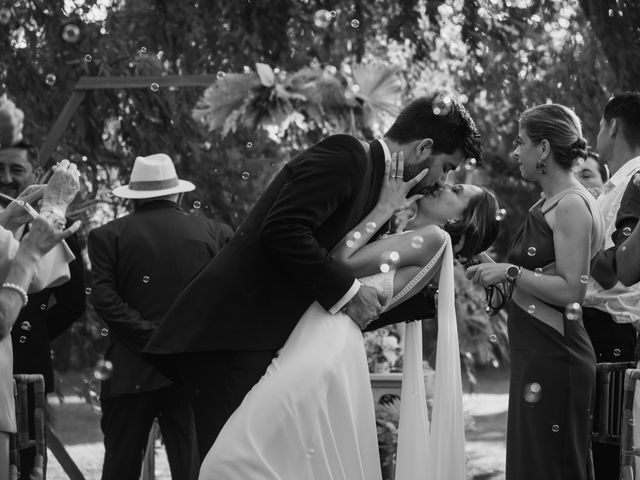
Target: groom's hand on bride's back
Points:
(365, 306)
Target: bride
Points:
(311, 416)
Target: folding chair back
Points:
(607, 422)
(628, 452)
(26, 417)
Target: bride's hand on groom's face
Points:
(365, 306)
(393, 194)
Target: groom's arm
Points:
(320, 180)
(125, 322)
(418, 307)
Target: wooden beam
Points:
(60, 126)
(86, 84)
(111, 83)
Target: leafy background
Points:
(347, 72)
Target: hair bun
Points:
(579, 148)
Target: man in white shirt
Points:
(610, 308)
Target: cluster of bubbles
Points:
(388, 260)
(636, 179)
(103, 370)
(442, 105)
(501, 214)
(351, 240)
(322, 18)
(470, 164)
(532, 392)
(573, 311)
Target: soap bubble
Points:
(388, 260)
(322, 18)
(71, 33)
(532, 392)
(573, 311)
(103, 370)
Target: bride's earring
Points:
(541, 167)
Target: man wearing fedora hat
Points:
(140, 263)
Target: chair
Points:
(607, 421)
(627, 450)
(25, 417)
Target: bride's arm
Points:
(409, 250)
(393, 197)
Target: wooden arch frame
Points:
(86, 84)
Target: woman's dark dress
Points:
(548, 427)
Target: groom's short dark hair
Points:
(441, 118)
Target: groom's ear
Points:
(424, 148)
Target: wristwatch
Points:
(513, 273)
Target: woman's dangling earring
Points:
(541, 167)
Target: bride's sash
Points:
(438, 454)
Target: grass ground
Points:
(78, 426)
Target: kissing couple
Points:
(268, 337)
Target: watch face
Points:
(512, 272)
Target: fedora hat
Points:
(153, 176)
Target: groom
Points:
(224, 329)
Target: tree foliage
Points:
(497, 56)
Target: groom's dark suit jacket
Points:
(250, 296)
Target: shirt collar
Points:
(385, 149)
(622, 174)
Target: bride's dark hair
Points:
(478, 224)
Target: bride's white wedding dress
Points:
(311, 416)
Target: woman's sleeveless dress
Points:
(552, 373)
(311, 416)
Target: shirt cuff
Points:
(346, 298)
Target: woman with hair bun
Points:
(553, 376)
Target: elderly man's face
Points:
(16, 173)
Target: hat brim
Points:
(125, 192)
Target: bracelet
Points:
(30, 210)
(53, 209)
(19, 289)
